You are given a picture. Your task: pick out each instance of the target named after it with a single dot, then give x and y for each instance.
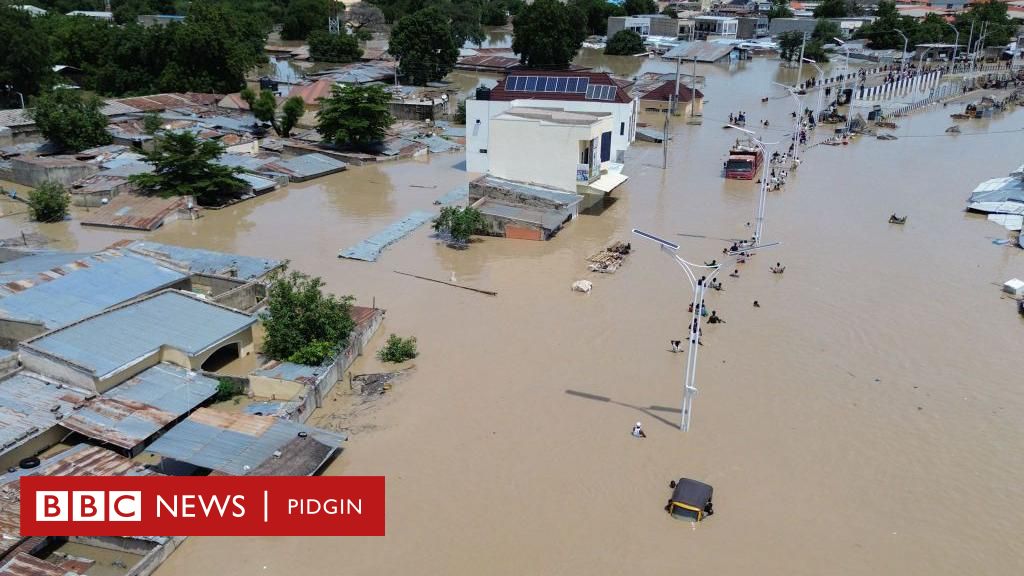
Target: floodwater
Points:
(864, 420)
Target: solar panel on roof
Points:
(531, 83)
(582, 86)
(513, 83)
(561, 84)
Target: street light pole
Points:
(846, 67)
(762, 197)
(699, 288)
(821, 92)
(799, 118)
(956, 44)
(903, 56)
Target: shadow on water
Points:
(599, 207)
(649, 410)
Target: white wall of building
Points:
(541, 152)
(480, 112)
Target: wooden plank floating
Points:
(487, 292)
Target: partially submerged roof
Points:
(699, 50)
(137, 211)
(80, 460)
(245, 444)
(77, 289)
(111, 340)
(305, 167)
(199, 261)
(368, 250)
(1008, 189)
(131, 412)
(311, 94)
(30, 405)
(550, 194)
(548, 219)
(289, 371)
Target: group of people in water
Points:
(739, 118)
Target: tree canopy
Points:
(303, 17)
(625, 43)
(365, 17)
(780, 9)
(459, 223)
(634, 7)
(70, 120)
(826, 30)
(425, 46)
(49, 202)
(303, 324)
(264, 108)
(25, 59)
(596, 13)
(355, 115)
(340, 48)
(832, 9)
(184, 166)
(548, 34)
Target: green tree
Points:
(596, 13)
(184, 166)
(634, 7)
(303, 17)
(151, 123)
(670, 12)
(355, 115)
(625, 43)
(303, 324)
(340, 48)
(464, 17)
(458, 223)
(71, 121)
(789, 45)
(882, 32)
(291, 112)
(832, 9)
(780, 9)
(826, 30)
(49, 202)
(1001, 29)
(263, 106)
(398, 349)
(364, 17)
(548, 33)
(228, 389)
(424, 45)
(25, 56)
(494, 13)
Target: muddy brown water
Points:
(864, 420)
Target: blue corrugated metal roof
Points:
(34, 264)
(107, 280)
(237, 444)
(290, 371)
(456, 195)
(131, 412)
(369, 249)
(306, 166)
(243, 161)
(26, 407)
(201, 261)
(107, 342)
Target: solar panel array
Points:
(564, 84)
(601, 92)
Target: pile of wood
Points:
(608, 260)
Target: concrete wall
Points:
(274, 388)
(478, 189)
(540, 152)
(33, 174)
(247, 297)
(31, 447)
(480, 112)
(14, 331)
(38, 361)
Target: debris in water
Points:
(608, 260)
(374, 384)
(584, 286)
(488, 292)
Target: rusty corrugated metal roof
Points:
(136, 212)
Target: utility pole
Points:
(800, 63)
(664, 141)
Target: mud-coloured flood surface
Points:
(865, 419)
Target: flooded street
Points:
(864, 420)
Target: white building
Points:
(569, 91)
(92, 14)
(706, 27)
(564, 147)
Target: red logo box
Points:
(202, 506)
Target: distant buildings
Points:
(93, 14)
(711, 27)
(645, 25)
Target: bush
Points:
(305, 325)
(459, 223)
(341, 48)
(228, 389)
(314, 353)
(398, 349)
(460, 113)
(625, 43)
(49, 202)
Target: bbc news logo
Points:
(202, 506)
(89, 506)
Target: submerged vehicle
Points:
(691, 500)
(894, 219)
(744, 159)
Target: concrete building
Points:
(570, 91)
(711, 27)
(750, 27)
(100, 351)
(656, 92)
(549, 146)
(522, 211)
(93, 14)
(645, 25)
(34, 170)
(780, 26)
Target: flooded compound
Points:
(864, 419)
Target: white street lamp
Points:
(821, 92)
(693, 328)
(956, 44)
(799, 118)
(903, 56)
(762, 197)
